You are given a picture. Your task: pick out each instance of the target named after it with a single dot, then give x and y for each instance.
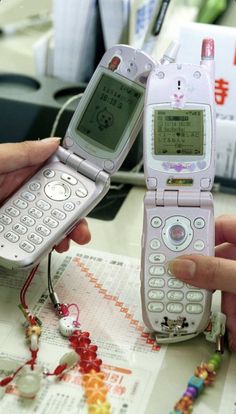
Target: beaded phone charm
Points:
(29, 376)
(205, 373)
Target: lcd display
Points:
(110, 111)
(178, 132)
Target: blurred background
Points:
(49, 50)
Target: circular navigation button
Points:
(58, 191)
(177, 234)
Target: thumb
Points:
(26, 154)
(205, 272)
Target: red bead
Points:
(88, 356)
(86, 367)
(5, 381)
(64, 310)
(60, 369)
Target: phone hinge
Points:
(81, 165)
(183, 198)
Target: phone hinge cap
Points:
(81, 165)
(183, 198)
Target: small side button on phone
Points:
(48, 173)
(155, 244)
(26, 195)
(81, 192)
(199, 223)
(199, 245)
(69, 206)
(34, 186)
(156, 222)
(69, 179)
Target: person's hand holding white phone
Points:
(19, 161)
(49, 206)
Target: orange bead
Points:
(93, 378)
(90, 390)
(96, 396)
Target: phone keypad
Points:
(58, 214)
(19, 228)
(34, 238)
(43, 230)
(173, 233)
(26, 246)
(20, 204)
(12, 237)
(156, 282)
(43, 205)
(35, 213)
(50, 222)
(157, 270)
(12, 211)
(29, 218)
(5, 219)
(28, 221)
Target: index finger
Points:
(26, 154)
(225, 229)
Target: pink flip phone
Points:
(179, 166)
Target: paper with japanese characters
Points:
(106, 288)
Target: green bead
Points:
(215, 360)
(217, 356)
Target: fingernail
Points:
(52, 139)
(182, 268)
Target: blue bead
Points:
(197, 383)
(175, 412)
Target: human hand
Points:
(215, 272)
(21, 160)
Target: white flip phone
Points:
(103, 128)
(179, 165)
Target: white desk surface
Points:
(122, 236)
